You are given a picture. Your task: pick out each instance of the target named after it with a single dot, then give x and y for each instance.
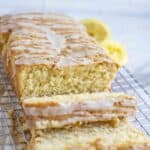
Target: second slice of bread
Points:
(67, 110)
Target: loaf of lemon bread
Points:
(68, 110)
(50, 54)
(91, 137)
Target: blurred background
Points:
(129, 21)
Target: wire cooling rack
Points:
(12, 136)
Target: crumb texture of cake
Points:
(51, 54)
(91, 137)
(72, 109)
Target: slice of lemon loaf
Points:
(65, 110)
(91, 137)
(51, 54)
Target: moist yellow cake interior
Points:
(41, 80)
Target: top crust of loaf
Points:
(51, 39)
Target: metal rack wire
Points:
(12, 136)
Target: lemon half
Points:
(101, 33)
(97, 29)
(116, 51)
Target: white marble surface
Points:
(129, 21)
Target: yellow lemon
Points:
(97, 29)
(116, 51)
(101, 33)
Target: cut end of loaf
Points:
(46, 81)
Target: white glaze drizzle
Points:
(52, 42)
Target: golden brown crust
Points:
(41, 104)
